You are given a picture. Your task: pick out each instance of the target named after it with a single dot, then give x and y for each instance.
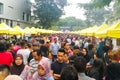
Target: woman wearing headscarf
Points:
(97, 70)
(113, 71)
(13, 77)
(85, 54)
(20, 69)
(105, 56)
(43, 72)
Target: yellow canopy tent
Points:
(50, 31)
(74, 32)
(115, 31)
(41, 30)
(54, 31)
(33, 30)
(91, 31)
(44, 31)
(4, 29)
(102, 33)
(84, 31)
(16, 31)
(77, 32)
(38, 30)
(27, 30)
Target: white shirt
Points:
(25, 53)
(77, 43)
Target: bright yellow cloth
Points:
(115, 31)
(102, 33)
(4, 29)
(16, 31)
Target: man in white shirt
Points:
(24, 52)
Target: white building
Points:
(15, 12)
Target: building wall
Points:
(15, 12)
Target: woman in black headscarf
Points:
(105, 56)
(113, 71)
(20, 69)
(18, 65)
(97, 70)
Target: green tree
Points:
(76, 24)
(49, 11)
(114, 10)
(103, 3)
(94, 16)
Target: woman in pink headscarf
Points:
(43, 72)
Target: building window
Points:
(23, 15)
(7, 21)
(1, 8)
(28, 17)
(18, 23)
(11, 23)
(0, 20)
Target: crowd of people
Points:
(58, 57)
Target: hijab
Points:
(13, 77)
(113, 71)
(46, 65)
(17, 69)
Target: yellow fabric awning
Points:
(102, 33)
(4, 29)
(91, 32)
(27, 30)
(84, 31)
(115, 31)
(74, 32)
(33, 30)
(16, 31)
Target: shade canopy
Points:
(97, 29)
(90, 31)
(4, 28)
(115, 31)
(84, 31)
(101, 33)
(16, 31)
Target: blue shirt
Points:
(50, 78)
(54, 47)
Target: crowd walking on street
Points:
(58, 57)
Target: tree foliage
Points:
(94, 16)
(101, 3)
(49, 11)
(76, 24)
(114, 10)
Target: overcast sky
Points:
(73, 10)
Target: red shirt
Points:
(6, 58)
